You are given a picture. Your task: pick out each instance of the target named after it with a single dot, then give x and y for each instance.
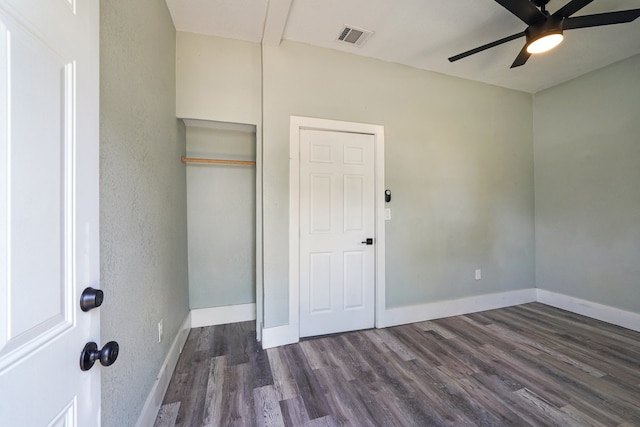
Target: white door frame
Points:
(296, 125)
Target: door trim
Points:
(296, 125)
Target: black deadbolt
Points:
(91, 298)
(107, 356)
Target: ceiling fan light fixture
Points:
(544, 30)
(545, 43)
(544, 36)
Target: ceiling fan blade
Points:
(523, 9)
(521, 58)
(598, 19)
(570, 8)
(486, 46)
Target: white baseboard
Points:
(456, 307)
(154, 400)
(606, 313)
(280, 335)
(289, 334)
(222, 315)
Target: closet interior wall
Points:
(221, 215)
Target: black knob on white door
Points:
(107, 356)
(91, 298)
(368, 241)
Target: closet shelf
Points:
(217, 161)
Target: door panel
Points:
(354, 280)
(336, 216)
(35, 216)
(320, 203)
(353, 203)
(48, 210)
(320, 282)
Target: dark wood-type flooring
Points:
(524, 365)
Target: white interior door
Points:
(49, 236)
(337, 270)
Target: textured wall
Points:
(218, 79)
(143, 239)
(458, 159)
(587, 186)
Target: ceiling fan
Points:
(544, 31)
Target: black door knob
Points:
(369, 241)
(90, 353)
(91, 298)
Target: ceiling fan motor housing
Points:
(552, 25)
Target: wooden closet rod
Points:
(219, 161)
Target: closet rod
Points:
(219, 161)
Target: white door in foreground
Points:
(49, 237)
(337, 257)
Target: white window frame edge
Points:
(288, 334)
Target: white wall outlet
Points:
(387, 214)
(478, 274)
(160, 331)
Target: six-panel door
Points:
(336, 219)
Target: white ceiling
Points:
(421, 34)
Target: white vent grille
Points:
(354, 36)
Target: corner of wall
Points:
(605, 313)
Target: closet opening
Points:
(221, 221)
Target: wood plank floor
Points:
(524, 365)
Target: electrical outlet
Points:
(387, 214)
(478, 274)
(160, 331)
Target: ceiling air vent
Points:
(354, 36)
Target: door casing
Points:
(298, 123)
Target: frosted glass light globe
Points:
(545, 43)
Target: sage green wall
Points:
(221, 79)
(218, 79)
(458, 160)
(143, 236)
(221, 212)
(587, 186)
